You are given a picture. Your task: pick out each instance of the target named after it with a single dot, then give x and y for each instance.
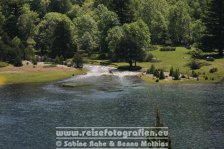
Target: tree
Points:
(123, 10)
(61, 6)
(55, 35)
(151, 70)
(27, 22)
(197, 29)
(121, 7)
(2, 20)
(161, 75)
(171, 71)
(40, 6)
(180, 21)
(213, 36)
(130, 41)
(78, 60)
(157, 18)
(176, 74)
(106, 20)
(87, 34)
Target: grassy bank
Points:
(3, 64)
(178, 59)
(36, 75)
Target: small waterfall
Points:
(97, 71)
(106, 70)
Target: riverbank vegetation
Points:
(190, 34)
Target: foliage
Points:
(171, 71)
(180, 21)
(213, 70)
(194, 65)
(55, 35)
(78, 60)
(87, 33)
(162, 75)
(197, 53)
(130, 41)
(118, 30)
(151, 70)
(176, 75)
(18, 62)
(213, 35)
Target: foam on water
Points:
(96, 71)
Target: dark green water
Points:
(30, 113)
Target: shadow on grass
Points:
(128, 68)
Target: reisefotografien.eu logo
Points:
(112, 137)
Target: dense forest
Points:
(119, 30)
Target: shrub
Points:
(211, 59)
(18, 62)
(176, 74)
(78, 60)
(171, 71)
(197, 54)
(151, 70)
(206, 77)
(59, 60)
(168, 49)
(148, 58)
(213, 70)
(157, 80)
(162, 75)
(194, 65)
(156, 73)
(194, 74)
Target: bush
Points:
(156, 73)
(34, 61)
(194, 74)
(151, 70)
(18, 62)
(168, 49)
(213, 70)
(176, 75)
(162, 75)
(194, 65)
(148, 58)
(211, 59)
(78, 60)
(171, 71)
(197, 54)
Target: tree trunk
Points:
(130, 63)
(135, 63)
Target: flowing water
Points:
(30, 113)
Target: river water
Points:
(30, 113)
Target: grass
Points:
(3, 64)
(36, 77)
(178, 59)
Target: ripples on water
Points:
(30, 113)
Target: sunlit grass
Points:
(36, 77)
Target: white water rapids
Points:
(97, 71)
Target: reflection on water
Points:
(30, 113)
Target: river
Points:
(30, 113)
